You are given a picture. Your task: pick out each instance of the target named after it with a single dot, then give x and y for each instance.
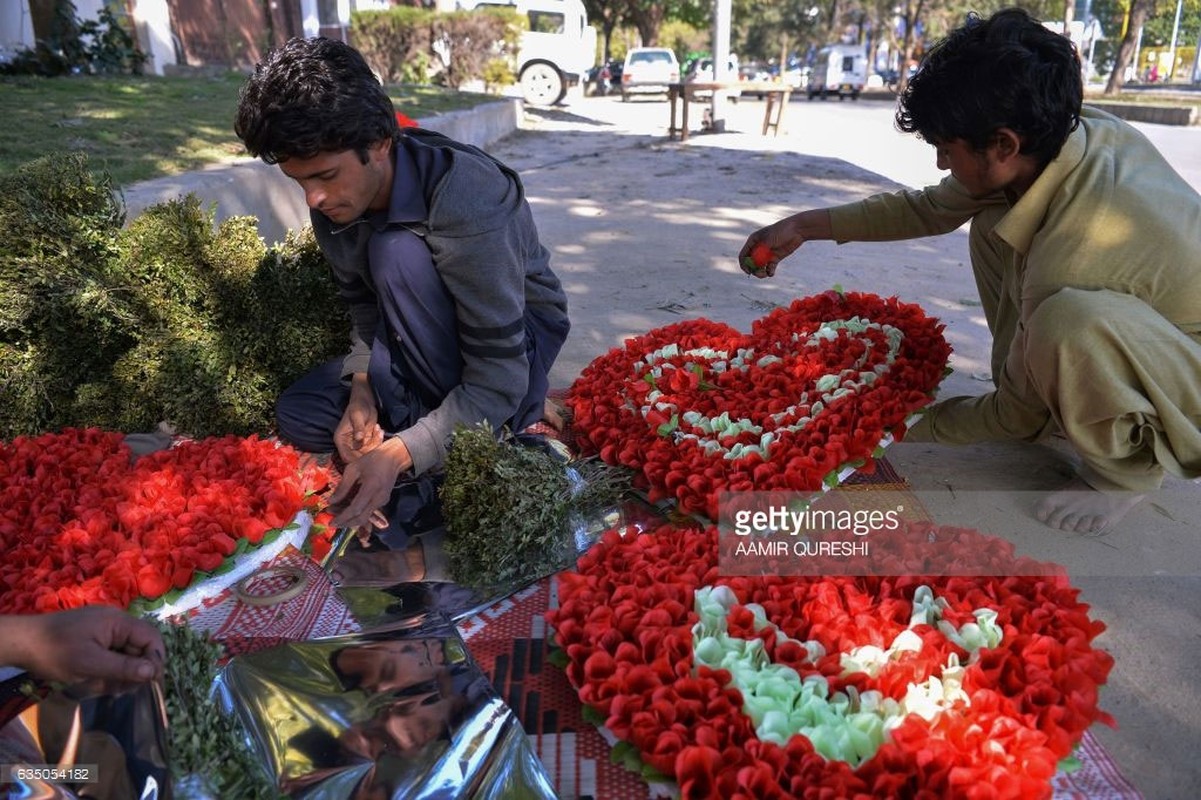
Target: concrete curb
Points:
(250, 187)
(1143, 112)
(1163, 114)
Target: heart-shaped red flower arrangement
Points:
(82, 523)
(891, 687)
(697, 407)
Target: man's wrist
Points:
(398, 451)
(814, 225)
(14, 633)
(360, 388)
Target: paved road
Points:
(863, 134)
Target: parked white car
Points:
(649, 70)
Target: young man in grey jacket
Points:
(456, 314)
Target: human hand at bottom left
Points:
(98, 644)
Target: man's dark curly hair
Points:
(313, 96)
(1007, 71)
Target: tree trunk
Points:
(647, 18)
(913, 13)
(269, 26)
(41, 15)
(1135, 17)
(832, 23)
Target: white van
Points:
(556, 52)
(840, 69)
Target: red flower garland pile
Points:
(81, 523)
(814, 388)
(625, 623)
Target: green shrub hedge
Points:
(396, 42)
(172, 318)
(415, 45)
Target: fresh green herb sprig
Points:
(208, 751)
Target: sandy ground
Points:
(645, 232)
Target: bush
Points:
(498, 73)
(95, 47)
(473, 39)
(395, 43)
(171, 319)
(414, 45)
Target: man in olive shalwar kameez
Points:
(1086, 249)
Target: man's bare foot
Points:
(1079, 508)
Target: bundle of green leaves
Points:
(208, 751)
(171, 319)
(508, 508)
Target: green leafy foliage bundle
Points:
(506, 508)
(208, 750)
(169, 319)
(510, 509)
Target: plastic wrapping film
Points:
(120, 740)
(401, 711)
(398, 709)
(403, 570)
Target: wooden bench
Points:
(685, 93)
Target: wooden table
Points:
(776, 95)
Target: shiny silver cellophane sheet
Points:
(404, 570)
(400, 711)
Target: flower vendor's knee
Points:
(1062, 318)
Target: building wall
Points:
(16, 27)
(232, 33)
(151, 20)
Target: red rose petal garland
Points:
(81, 523)
(625, 622)
(697, 407)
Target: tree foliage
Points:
(645, 16)
(67, 45)
(777, 31)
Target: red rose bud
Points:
(761, 255)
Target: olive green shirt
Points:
(1108, 213)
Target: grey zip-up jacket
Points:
(472, 212)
